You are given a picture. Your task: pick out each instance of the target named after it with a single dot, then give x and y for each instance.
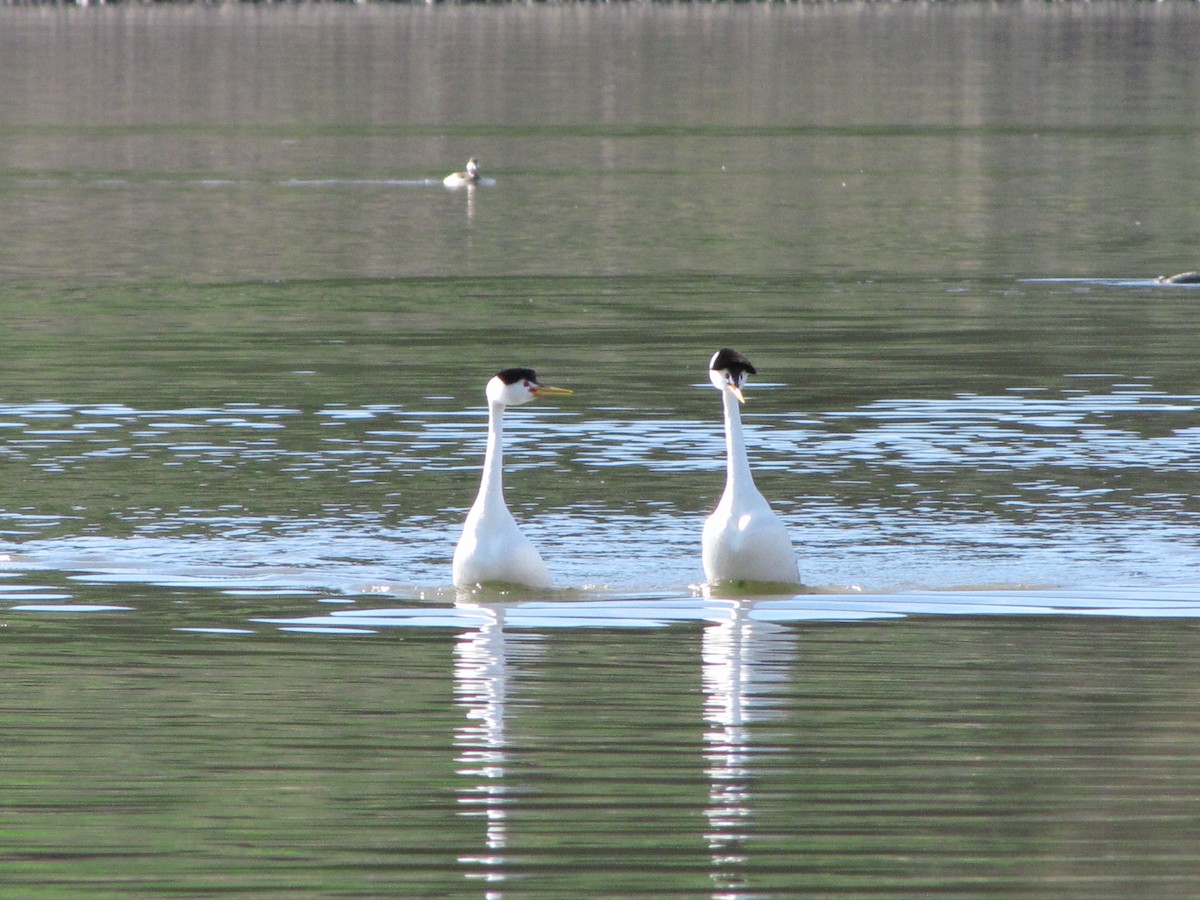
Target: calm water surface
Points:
(246, 336)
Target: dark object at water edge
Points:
(1181, 278)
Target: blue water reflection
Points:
(1088, 483)
(1176, 602)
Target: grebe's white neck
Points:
(491, 486)
(739, 480)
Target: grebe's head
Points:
(472, 167)
(512, 387)
(727, 370)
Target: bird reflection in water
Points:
(736, 680)
(481, 688)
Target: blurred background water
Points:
(246, 333)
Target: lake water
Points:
(246, 334)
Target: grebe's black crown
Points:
(512, 376)
(731, 361)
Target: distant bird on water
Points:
(1181, 278)
(462, 179)
(743, 539)
(492, 547)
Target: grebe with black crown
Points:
(462, 179)
(492, 547)
(743, 539)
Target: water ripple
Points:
(1088, 484)
(1178, 602)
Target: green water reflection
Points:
(976, 758)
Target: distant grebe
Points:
(461, 179)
